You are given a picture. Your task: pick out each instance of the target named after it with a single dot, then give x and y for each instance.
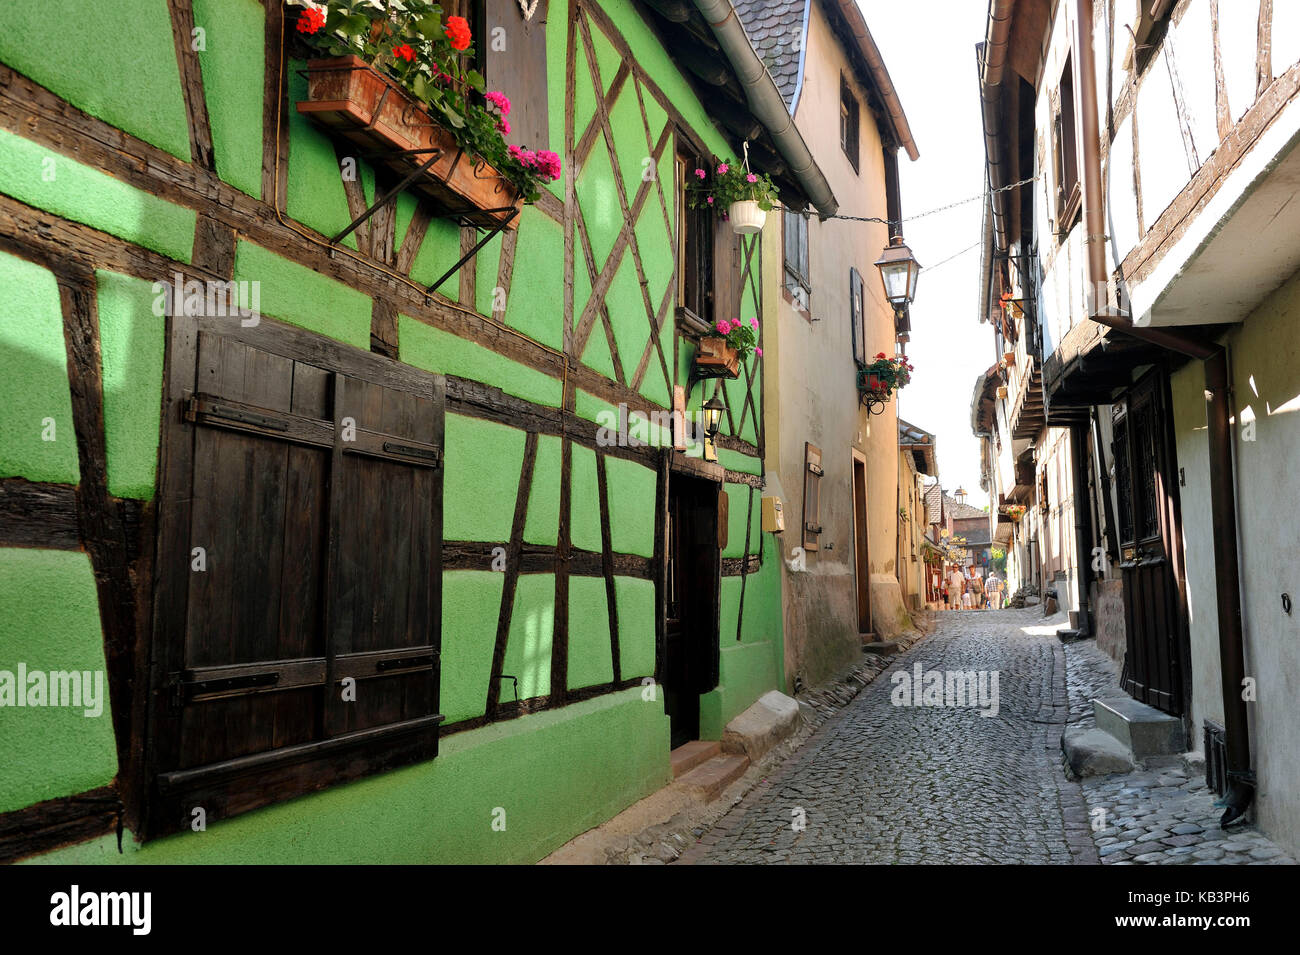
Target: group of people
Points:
(966, 590)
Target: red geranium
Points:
(458, 32)
(311, 20)
(404, 52)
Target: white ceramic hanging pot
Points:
(746, 217)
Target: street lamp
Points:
(711, 412)
(959, 495)
(898, 272)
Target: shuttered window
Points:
(798, 281)
(848, 123)
(697, 242)
(812, 479)
(300, 568)
(512, 50)
(857, 317)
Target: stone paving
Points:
(1163, 814)
(886, 783)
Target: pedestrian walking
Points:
(993, 589)
(976, 590)
(956, 588)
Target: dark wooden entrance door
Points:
(1150, 548)
(862, 563)
(690, 665)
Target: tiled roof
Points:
(771, 26)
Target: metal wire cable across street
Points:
(920, 215)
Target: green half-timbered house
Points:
(360, 574)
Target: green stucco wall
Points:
(40, 178)
(37, 440)
(131, 344)
(232, 60)
(48, 750)
(75, 49)
(555, 774)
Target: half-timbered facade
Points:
(833, 464)
(1154, 258)
(376, 519)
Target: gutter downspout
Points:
(766, 102)
(1223, 512)
(993, 55)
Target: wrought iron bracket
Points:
(491, 233)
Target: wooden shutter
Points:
(513, 53)
(316, 494)
(856, 316)
(812, 477)
(726, 271)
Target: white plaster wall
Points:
(1286, 36)
(1265, 364)
(1238, 42)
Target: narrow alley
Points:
(889, 783)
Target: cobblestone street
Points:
(886, 783)
(881, 783)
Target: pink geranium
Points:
(701, 173)
(722, 170)
(753, 322)
(499, 100)
(758, 352)
(751, 178)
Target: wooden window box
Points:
(716, 359)
(349, 97)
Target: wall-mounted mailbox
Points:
(773, 517)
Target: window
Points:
(812, 479)
(1064, 146)
(848, 122)
(695, 245)
(300, 646)
(798, 284)
(857, 317)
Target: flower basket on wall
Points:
(720, 354)
(350, 97)
(716, 359)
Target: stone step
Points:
(1090, 752)
(689, 755)
(884, 647)
(707, 781)
(1143, 729)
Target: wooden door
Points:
(1150, 548)
(862, 563)
(691, 648)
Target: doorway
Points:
(861, 561)
(1150, 535)
(694, 576)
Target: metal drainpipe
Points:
(1082, 527)
(1223, 511)
(766, 102)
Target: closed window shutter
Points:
(856, 312)
(812, 526)
(726, 271)
(316, 496)
(512, 48)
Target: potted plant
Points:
(884, 375)
(747, 196)
(721, 354)
(1016, 512)
(391, 77)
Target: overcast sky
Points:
(929, 49)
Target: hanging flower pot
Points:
(1002, 392)
(1009, 359)
(746, 217)
(1016, 512)
(747, 196)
